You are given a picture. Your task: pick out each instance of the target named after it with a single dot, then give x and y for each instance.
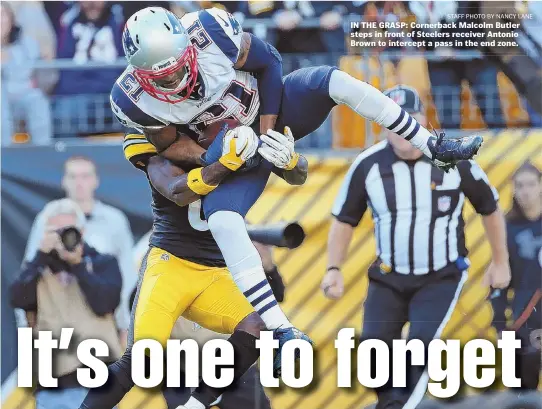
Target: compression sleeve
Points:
(265, 61)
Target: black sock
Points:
(119, 383)
(245, 355)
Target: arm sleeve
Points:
(351, 202)
(475, 185)
(101, 286)
(23, 290)
(265, 61)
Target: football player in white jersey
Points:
(185, 74)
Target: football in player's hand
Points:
(210, 132)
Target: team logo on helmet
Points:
(128, 44)
(175, 24)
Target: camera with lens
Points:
(70, 237)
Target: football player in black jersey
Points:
(183, 271)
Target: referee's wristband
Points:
(196, 184)
(333, 268)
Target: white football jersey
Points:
(222, 91)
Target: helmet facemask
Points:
(186, 69)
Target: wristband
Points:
(293, 162)
(196, 184)
(333, 268)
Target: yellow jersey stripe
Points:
(134, 136)
(138, 149)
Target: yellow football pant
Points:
(172, 287)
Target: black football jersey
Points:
(182, 231)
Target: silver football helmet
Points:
(159, 48)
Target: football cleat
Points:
(446, 152)
(284, 335)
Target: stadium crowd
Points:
(67, 100)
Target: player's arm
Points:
(348, 209)
(184, 188)
(166, 139)
(180, 187)
(264, 60)
(174, 146)
(168, 179)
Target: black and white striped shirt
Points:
(417, 208)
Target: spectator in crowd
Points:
(522, 301)
(107, 229)
(449, 69)
(91, 31)
(68, 284)
(382, 12)
(326, 36)
(530, 40)
(25, 102)
(35, 23)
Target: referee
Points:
(421, 263)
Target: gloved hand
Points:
(278, 149)
(232, 147)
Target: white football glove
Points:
(240, 144)
(278, 149)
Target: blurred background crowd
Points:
(59, 60)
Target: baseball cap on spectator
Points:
(406, 97)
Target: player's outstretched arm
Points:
(184, 188)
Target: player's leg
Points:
(372, 104)
(222, 308)
(429, 312)
(310, 93)
(225, 209)
(164, 291)
(249, 393)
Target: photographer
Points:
(107, 229)
(68, 284)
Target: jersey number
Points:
(131, 87)
(194, 217)
(236, 91)
(198, 36)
